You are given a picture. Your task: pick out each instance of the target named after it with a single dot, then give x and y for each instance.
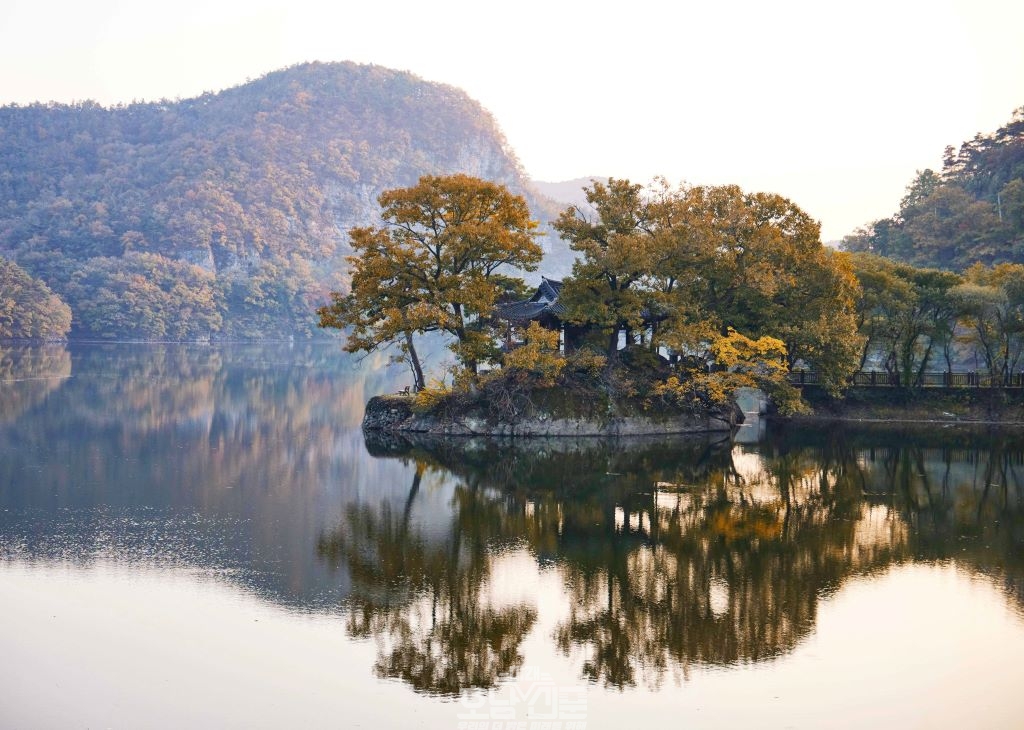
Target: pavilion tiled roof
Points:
(543, 301)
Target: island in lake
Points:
(679, 298)
(635, 341)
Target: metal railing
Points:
(883, 379)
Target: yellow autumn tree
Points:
(538, 355)
(677, 265)
(435, 264)
(734, 361)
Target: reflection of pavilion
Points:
(672, 552)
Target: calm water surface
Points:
(201, 536)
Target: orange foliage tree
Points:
(434, 265)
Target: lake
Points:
(201, 536)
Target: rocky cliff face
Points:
(395, 414)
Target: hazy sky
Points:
(833, 105)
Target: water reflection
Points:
(228, 458)
(674, 553)
(426, 595)
(28, 375)
(247, 464)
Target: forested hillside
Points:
(28, 309)
(226, 215)
(970, 212)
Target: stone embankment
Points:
(395, 413)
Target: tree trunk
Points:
(613, 344)
(413, 491)
(414, 363)
(460, 333)
(919, 380)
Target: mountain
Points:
(970, 212)
(226, 215)
(559, 258)
(568, 192)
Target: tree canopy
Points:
(912, 319)
(28, 309)
(907, 315)
(971, 212)
(695, 262)
(434, 265)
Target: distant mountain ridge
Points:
(226, 215)
(569, 192)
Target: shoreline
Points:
(395, 414)
(812, 419)
(932, 406)
(945, 408)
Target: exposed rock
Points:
(395, 413)
(387, 413)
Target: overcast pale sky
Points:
(834, 105)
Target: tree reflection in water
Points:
(673, 552)
(425, 595)
(38, 370)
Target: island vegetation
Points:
(679, 296)
(235, 214)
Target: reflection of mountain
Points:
(28, 375)
(222, 457)
(248, 464)
(684, 552)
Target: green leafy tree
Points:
(605, 289)
(886, 298)
(993, 300)
(950, 227)
(907, 315)
(970, 212)
(754, 262)
(695, 261)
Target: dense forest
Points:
(942, 280)
(28, 309)
(226, 215)
(970, 212)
